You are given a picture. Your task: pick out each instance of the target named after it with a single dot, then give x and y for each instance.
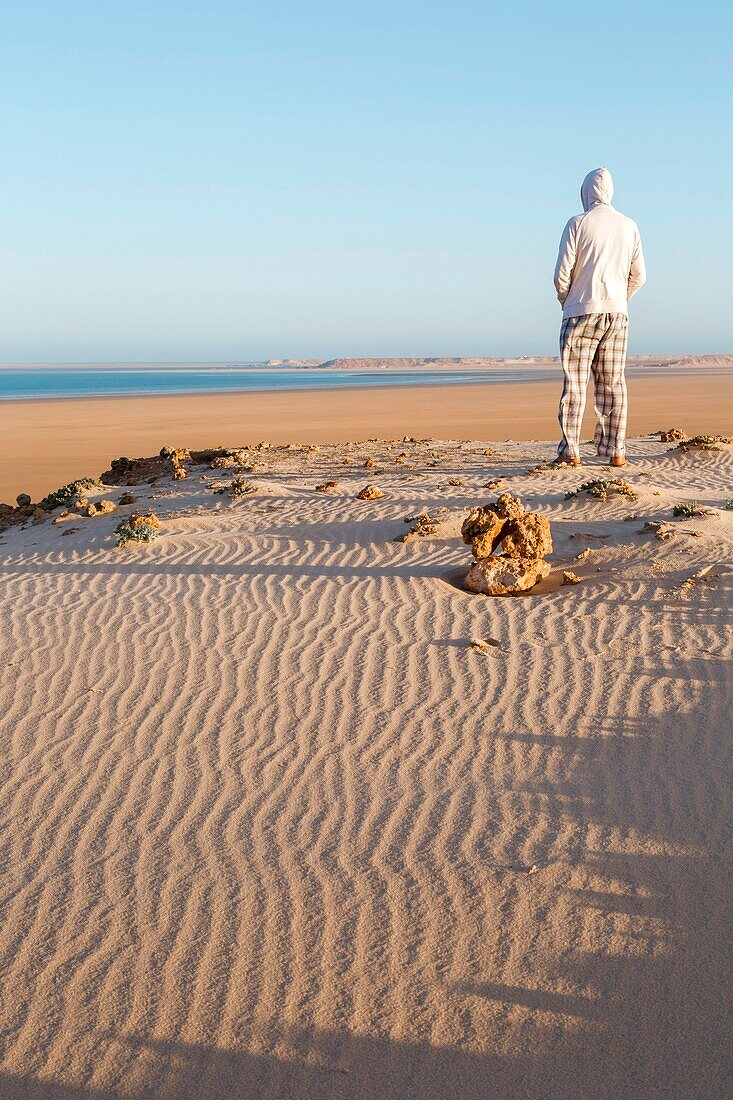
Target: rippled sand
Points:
(271, 828)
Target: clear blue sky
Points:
(232, 180)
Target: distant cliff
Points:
(410, 364)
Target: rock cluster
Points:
(175, 457)
(524, 538)
(672, 435)
(704, 443)
(25, 511)
(135, 471)
(100, 507)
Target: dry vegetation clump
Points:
(424, 525)
(704, 443)
(240, 487)
(603, 488)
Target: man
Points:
(599, 266)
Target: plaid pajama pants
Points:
(594, 342)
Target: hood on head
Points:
(597, 187)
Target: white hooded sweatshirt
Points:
(600, 263)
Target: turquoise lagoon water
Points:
(17, 383)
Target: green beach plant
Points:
(63, 497)
(138, 528)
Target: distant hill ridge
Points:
(412, 363)
(477, 362)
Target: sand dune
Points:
(268, 820)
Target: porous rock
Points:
(100, 507)
(527, 536)
(482, 530)
(508, 506)
(672, 435)
(148, 519)
(502, 576)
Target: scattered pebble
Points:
(369, 492)
(485, 645)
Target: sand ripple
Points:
(270, 828)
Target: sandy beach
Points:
(272, 828)
(44, 444)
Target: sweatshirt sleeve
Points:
(565, 262)
(637, 271)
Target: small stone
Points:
(127, 498)
(662, 531)
(485, 645)
(369, 492)
(327, 487)
(100, 507)
(22, 500)
(569, 577)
